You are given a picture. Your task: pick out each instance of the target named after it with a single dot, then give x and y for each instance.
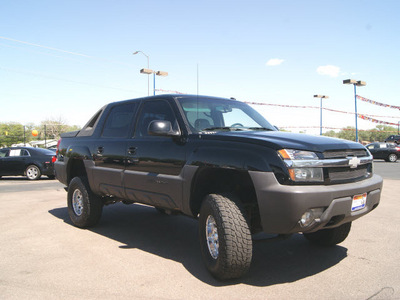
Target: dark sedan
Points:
(387, 151)
(28, 161)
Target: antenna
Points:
(197, 78)
(197, 97)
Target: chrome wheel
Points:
(392, 157)
(32, 172)
(212, 237)
(77, 202)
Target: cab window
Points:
(119, 121)
(159, 110)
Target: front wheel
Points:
(329, 237)
(225, 237)
(84, 207)
(33, 172)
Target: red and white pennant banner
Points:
(377, 103)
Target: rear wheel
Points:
(392, 157)
(84, 207)
(329, 237)
(33, 172)
(225, 237)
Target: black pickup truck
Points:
(220, 161)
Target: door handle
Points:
(100, 150)
(132, 150)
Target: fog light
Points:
(307, 218)
(311, 216)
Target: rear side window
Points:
(24, 152)
(119, 121)
(15, 152)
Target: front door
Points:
(154, 164)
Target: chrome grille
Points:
(342, 174)
(344, 153)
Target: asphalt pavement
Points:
(137, 253)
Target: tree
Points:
(382, 132)
(16, 133)
(11, 133)
(52, 128)
(331, 133)
(348, 133)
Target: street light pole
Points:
(320, 118)
(158, 73)
(148, 67)
(355, 83)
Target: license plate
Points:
(359, 202)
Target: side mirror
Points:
(162, 128)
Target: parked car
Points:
(220, 161)
(393, 139)
(387, 151)
(27, 161)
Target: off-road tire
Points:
(329, 237)
(84, 207)
(33, 172)
(234, 238)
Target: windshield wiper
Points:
(260, 128)
(224, 128)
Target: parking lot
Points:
(137, 253)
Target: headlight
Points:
(306, 174)
(303, 166)
(297, 154)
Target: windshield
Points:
(211, 114)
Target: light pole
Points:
(158, 73)
(355, 83)
(320, 118)
(148, 67)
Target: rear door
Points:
(110, 149)
(381, 151)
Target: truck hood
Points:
(279, 140)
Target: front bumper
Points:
(282, 206)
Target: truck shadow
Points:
(176, 238)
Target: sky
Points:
(63, 60)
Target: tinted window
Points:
(3, 152)
(119, 121)
(151, 111)
(24, 152)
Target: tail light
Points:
(53, 159)
(397, 148)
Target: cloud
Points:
(329, 70)
(274, 62)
